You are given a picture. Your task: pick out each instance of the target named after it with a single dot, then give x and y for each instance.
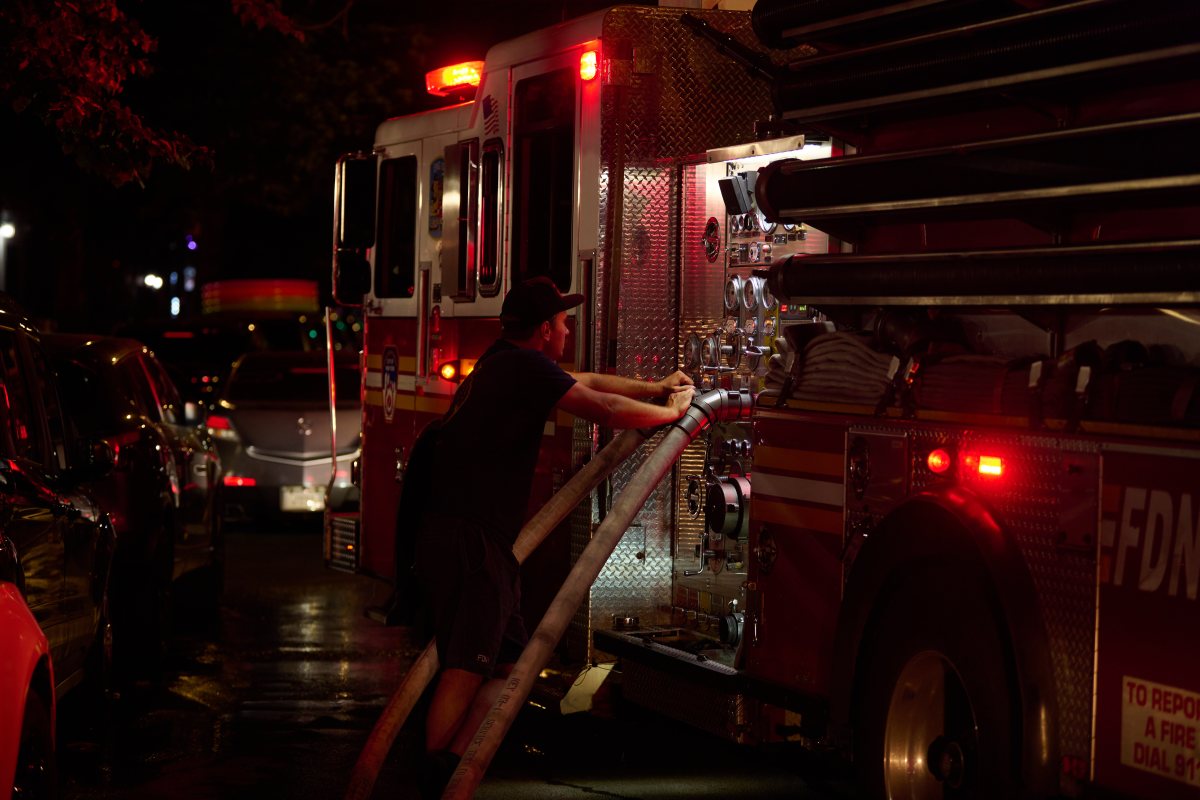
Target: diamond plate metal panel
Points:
(1064, 578)
(673, 98)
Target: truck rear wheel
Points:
(935, 715)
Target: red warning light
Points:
(992, 466)
(589, 64)
(939, 461)
(449, 371)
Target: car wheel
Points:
(936, 713)
(36, 776)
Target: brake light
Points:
(588, 65)
(455, 79)
(220, 427)
(238, 480)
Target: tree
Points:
(67, 62)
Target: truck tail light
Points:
(985, 466)
(238, 480)
(939, 461)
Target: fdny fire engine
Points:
(958, 539)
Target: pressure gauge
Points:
(764, 225)
(693, 353)
(731, 348)
(711, 352)
(750, 294)
(766, 297)
(789, 226)
(755, 252)
(712, 239)
(733, 292)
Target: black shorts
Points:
(472, 589)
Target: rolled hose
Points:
(716, 406)
(421, 673)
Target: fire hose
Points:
(719, 405)
(423, 670)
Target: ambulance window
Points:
(543, 170)
(492, 219)
(395, 256)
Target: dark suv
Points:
(159, 492)
(55, 543)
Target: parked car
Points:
(57, 543)
(272, 426)
(159, 493)
(27, 757)
(199, 353)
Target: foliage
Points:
(67, 62)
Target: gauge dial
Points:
(733, 292)
(692, 353)
(712, 239)
(764, 225)
(750, 293)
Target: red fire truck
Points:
(959, 538)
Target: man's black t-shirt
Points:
(488, 445)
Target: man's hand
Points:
(680, 398)
(677, 382)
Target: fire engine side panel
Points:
(1148, 636)
(795, 574)
(649, 120)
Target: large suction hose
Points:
(421, 673)
(716, 406)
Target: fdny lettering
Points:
(1154, 542)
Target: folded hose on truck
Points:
(719, 405)
(421, 673)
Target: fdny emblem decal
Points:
(390, 366)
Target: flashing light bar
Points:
(589, 65)
(455, 79)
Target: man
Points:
(482, 473)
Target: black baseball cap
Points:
(531, 302)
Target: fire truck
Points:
(955, 264)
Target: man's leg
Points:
(452, 700)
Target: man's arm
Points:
(628, 387)
(614, 410)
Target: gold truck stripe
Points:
(796, 515)
(811, 461)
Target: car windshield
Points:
(273, 379)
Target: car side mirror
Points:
(99, 459)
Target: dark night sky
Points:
(276, 114)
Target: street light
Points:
(7, 231)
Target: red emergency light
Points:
(238, 480)
(938, 461)
(589, 65)
(454, 80)
(985, 466)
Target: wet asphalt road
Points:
(275, 694)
